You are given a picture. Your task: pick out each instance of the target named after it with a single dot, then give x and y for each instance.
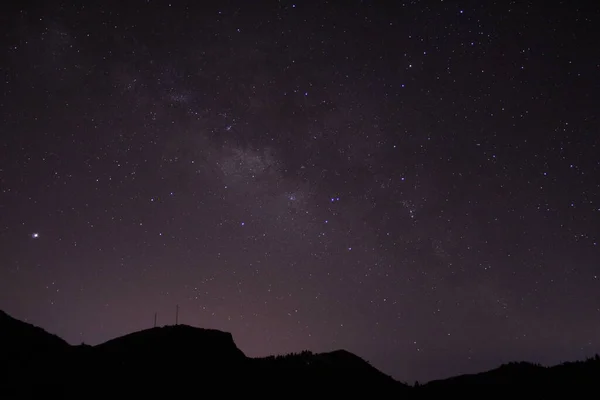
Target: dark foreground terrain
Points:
(185, 361)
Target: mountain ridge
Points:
(14, 331)
(178, 353)
(191, 355)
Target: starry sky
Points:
(416, 182)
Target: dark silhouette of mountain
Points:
(27, 350)
(177, 353)
(185, 360)
(524, 374)
(18, 336)
(175, 342)
(340, 371)
(180, 358)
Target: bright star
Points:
(35, 235)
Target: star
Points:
(209, 175)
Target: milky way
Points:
(417, 184)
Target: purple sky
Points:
(417, 184)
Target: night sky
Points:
(416, 182)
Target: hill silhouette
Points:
(20, 337)
(177, 353)
(183, 360)
(27, 350)
(527, 375)
(179, 358)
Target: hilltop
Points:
(179, 358)
(183, 359)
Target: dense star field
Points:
(415, 182)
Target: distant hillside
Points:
(183, 360)
(524, 374)
(26, 350)
(19, 336)
(180, 353)
(339, 369)
(180, 358)
(177, 342)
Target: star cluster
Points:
(416, 183)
